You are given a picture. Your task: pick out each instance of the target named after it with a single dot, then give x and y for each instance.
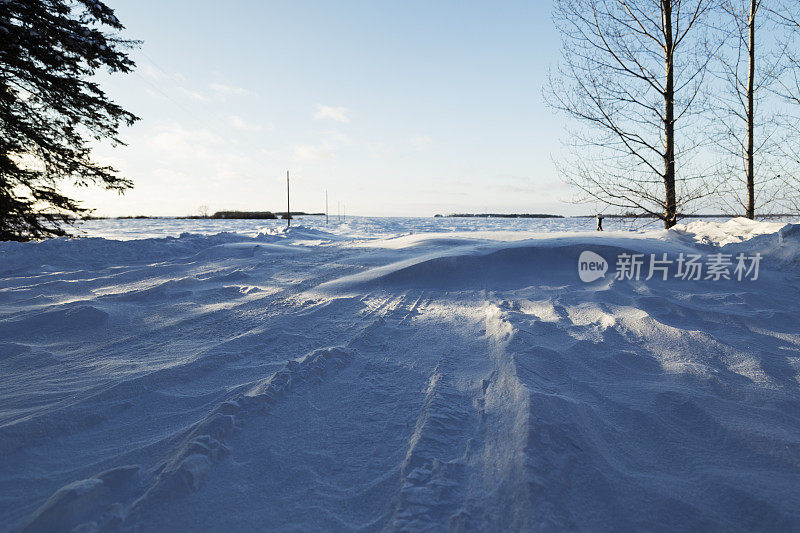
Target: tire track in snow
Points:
(465, 464)
(433, 473)
(366, 418)
(471, 458)
(203, 446)
(206, 442)
(499, 494)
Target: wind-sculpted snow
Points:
(469, 380)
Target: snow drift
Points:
(463, 380)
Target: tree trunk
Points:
(670, 203)
(751, 189)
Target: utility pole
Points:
(288, 210)
(326, 207)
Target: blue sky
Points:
(396, 108)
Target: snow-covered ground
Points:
(398, 375)
(367, 227)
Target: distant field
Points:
(362, 226)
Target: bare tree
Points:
(747, 120)
(632, 74)
(787, 14)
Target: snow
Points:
(734, 230)
(350, 227)
(396, 374)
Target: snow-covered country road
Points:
(304, 380)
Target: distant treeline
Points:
(269, 215)
(252, 215)
(501, 215)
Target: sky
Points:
(396, 108)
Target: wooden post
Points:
(288, 209)
(326, 207)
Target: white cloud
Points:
(339, 114)
(241, 124)
(421, 142)
(326, 149)
(175, 143)
(307, 152)
(154, 73)
(194, 95)
(229, 90)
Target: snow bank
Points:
(300, 379)
(735, 230)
